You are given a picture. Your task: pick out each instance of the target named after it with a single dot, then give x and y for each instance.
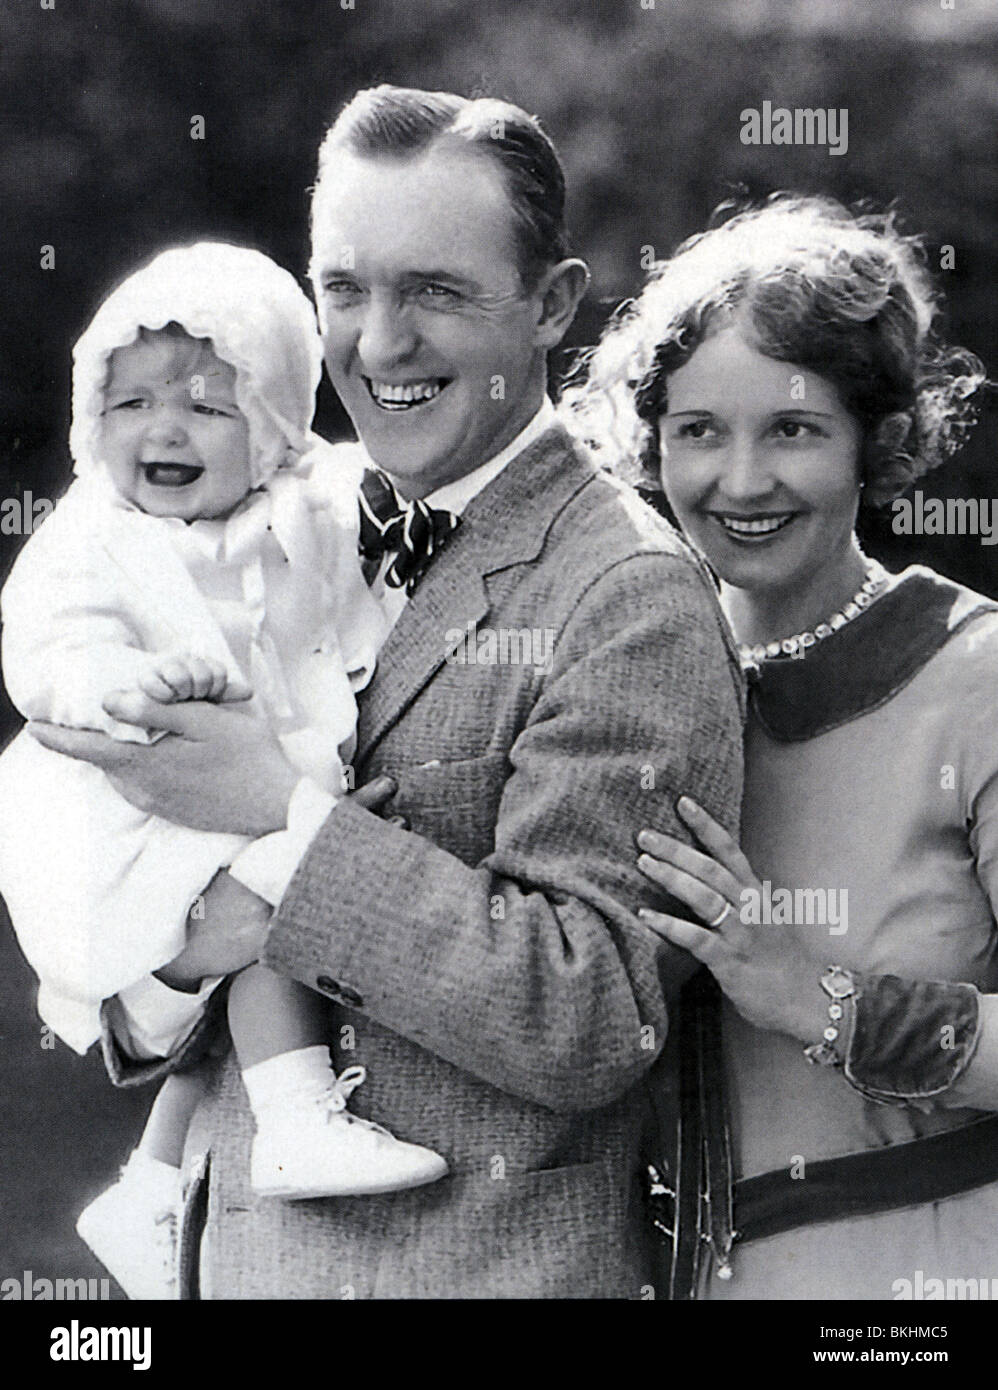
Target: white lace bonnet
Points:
(258, 320)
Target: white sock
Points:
(289, 1078)
(161, 1180)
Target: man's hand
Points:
(219, 768)
(230, 932)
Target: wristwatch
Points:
(838, 984)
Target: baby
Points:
(207, 549)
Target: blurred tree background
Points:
(643, 98)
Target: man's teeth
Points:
(755, 526)
(391, 397)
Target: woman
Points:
(778, 370)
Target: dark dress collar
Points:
(864, 665)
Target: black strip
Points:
(687, 1236)
(900, 1175)
(718, 1168)
(192, 1223)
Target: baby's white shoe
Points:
(313, 1147)
(132, 1228)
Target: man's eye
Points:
(438, 294)
(340, 289)
(201, 409)
(133, 403)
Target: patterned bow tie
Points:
(411, 531)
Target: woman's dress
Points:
(871, 773)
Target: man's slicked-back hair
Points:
(403, 122)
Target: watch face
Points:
(837, 982)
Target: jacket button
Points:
(339, 993)
(401, 821)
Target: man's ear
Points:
(560, 293)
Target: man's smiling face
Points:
(429, 334)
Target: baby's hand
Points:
(178, 677)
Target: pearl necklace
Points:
(753, 654)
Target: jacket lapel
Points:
(416, 646)
(505, 524)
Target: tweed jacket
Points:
(478, 939)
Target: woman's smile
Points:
(755, 529)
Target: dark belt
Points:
(860, 1184)
(704, 1210)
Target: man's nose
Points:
(387, 336)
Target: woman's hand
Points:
(761, 968)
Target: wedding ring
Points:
(720, 916)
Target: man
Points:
(479, 936)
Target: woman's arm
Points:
(977, 1088)
(901, 1041)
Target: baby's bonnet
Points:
(258, 320)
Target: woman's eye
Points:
(134, 403)
(201, 409)
(695, 429)
(795, 429)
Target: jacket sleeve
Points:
(530, 969)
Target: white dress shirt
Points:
(151, 1019)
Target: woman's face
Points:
(760, 463)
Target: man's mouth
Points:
(753, 528)
(407, 396)
(171, 474)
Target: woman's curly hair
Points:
(842, 294)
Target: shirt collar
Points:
(455, 496)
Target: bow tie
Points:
(411, 531)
